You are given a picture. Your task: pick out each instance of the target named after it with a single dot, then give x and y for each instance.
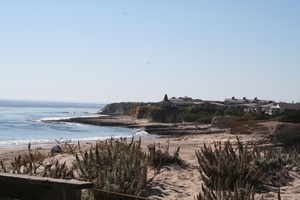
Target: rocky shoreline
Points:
(218, 125)
(173, 129)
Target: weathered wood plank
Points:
(35, 180)
(33, 187)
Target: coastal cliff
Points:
(122, 108)
(152, 113)
(157, 114)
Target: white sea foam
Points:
(34, 142)
(20, 143)
(90, 139)
(77, 124)
(140, 132)
(53, 119)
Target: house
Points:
(284, 107)
(188, 101)
(182, 101)
(248, 105)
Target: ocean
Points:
(21, 123)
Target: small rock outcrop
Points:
(223, 121)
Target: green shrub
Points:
(291, 116)
(225, 169)
(190, 117)
(204, 118)
(223, 165)
(114, 165)
(233, 112)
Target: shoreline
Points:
(155, 128)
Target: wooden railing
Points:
(33, 187)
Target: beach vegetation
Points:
(286, 135)
(34, 164)
(291, 116)
(27, 163)
(120, 166)
(276, 118)
(115, 165)
(157, 158)
(233, 112)
(203, 114)
(235, 169)
(245, 124)
(239, 193)
(67, 147)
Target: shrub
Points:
(291, 116)
(226, 169)
(204, 118)
(247, 117)
(27, 163)
(286, 135)
(233, 112)
(157, 158)
(224, 166)
(239, 193)
(114, 165)
(32, 164)
(190, 117)
(67, 147)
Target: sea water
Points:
(21, 123)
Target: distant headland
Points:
(184, 115)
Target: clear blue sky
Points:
(112, 51)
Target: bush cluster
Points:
(291, 116)
(33, 164)
(231, 172)
(158, 158)
(204, 114)
(114, 165)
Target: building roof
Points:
(293, 106)
(244, 100)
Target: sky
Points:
(138, 51)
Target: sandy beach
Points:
(174, 182)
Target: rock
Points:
(295, 169)
(223, 121)
(56, 149)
